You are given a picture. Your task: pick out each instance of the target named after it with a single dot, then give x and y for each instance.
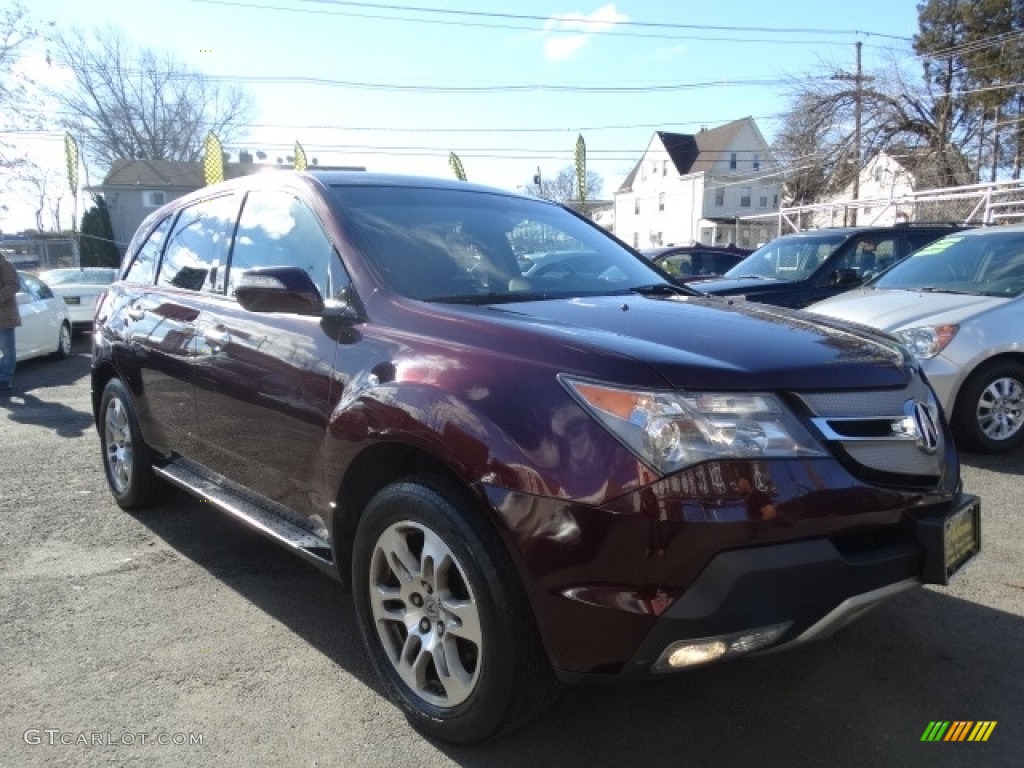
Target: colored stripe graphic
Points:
(959, 730)
(982, 730)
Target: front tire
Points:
(446, 624)
(989, 415)
(127, 459)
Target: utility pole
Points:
(859, 79)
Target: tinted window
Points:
(198, 246)
(143, 266)
(278, 230)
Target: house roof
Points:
(155, 173)
(165, 174)
(694, 153)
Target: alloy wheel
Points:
(425, 614)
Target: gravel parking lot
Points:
(177, 637)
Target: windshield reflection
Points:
(989, 264)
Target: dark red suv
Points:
(526, 476)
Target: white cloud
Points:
(567, 33)
(667, 54)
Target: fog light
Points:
(697, 653)
(690, 653)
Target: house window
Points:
(153, 198)
(661, 201)
(763, 201)
(720, 197)
(636, 206)
(757, 162)
(878, 174)
(732, 161)
(745, 197)
(664, 167)
(775, 201)
(636, 239)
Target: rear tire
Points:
(63, 351)
(989, 413)
(127, 459)
(444, 619)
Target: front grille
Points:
(879, 429)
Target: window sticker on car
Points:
(938, 246)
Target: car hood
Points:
(707, 341)
(734, 285)
(893, 310)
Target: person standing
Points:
(10, 319)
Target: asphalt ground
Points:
(177, 637)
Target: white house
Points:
(884, 192)
(698, 188)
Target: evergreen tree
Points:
(97, 247)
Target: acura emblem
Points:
(926, 428)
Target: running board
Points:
(243, 506)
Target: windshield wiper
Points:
(938, 289)
(664, 289)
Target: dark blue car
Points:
(805, 267)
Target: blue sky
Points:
(396, 86)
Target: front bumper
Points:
(808, 589)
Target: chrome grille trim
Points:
(881, 430)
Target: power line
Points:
(612, 28)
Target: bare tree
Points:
(45, 188)
(136, 103)
(17, 31)
(562, 188)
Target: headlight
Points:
(927, 341)
(671, 430)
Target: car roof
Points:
(729, 249)
(886, 228)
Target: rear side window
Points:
(143, 266)
(35, 288)
(197, 249)
(276, 229)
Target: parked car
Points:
(958, 305)
(799, 269)
(80, 288)
(526, 478)
(686, 263)
(45, 326)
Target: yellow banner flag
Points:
(300, 157)
(213, 160)
(71, 156)
(581, 168)
(456, 166)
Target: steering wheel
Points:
(556, 266)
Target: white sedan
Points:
(80, 287)
(45, 325)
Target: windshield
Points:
(989, 263)
(787, 257)
(84, 276)
(477, 247)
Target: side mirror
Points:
(279, 289)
